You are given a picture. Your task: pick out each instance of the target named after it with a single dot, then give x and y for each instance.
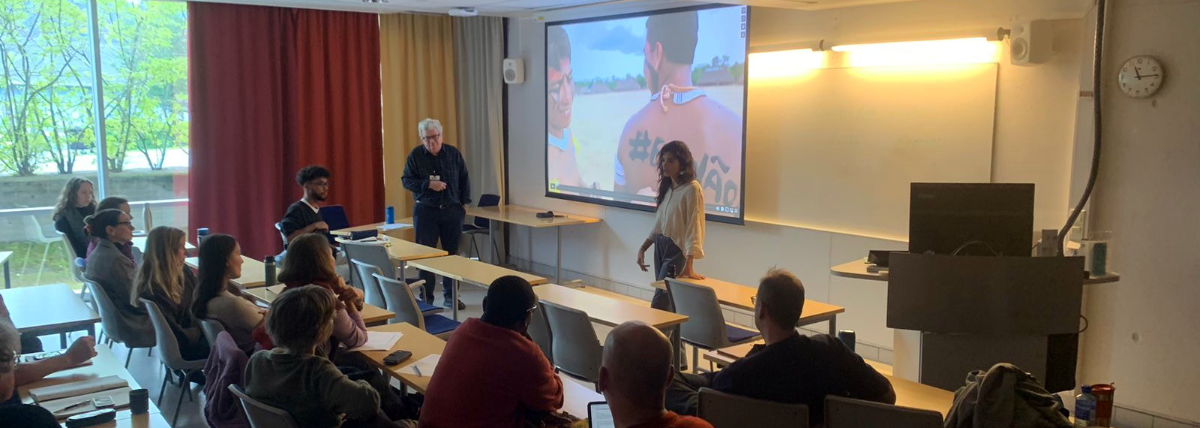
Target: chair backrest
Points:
(32, 229)
(211, 329)
(262, 415)
(486, 200)
(734, 411)
(575, 347)
(372, 294)
(334, 216)
(539, 331)
(373, 253)
(400, 300)
(279, 228)
(165, 343)
(706, 324)
(108, 312)
(841, 412)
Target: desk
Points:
(378, 227)
(461, 269)
(741, 297)
(525, 216)
(422, 344)
(606, 310)
(254, 273)
(4, 256)
(908, 393)
(371, 315)
(49, 309)
(104, 364)
(857, 269)
(140, 242)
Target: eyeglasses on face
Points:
(431, 137)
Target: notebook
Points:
(600, 416)
(59, 407)
(54, 392)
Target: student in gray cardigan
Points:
(113, 271)
(218, 299)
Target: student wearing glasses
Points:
(436, 174)
(304, 216)
(491, 374)
(111, 269)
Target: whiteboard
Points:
(835, 149)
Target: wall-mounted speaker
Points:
(1031, 42)
(514, 71)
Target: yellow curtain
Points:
(417, 56)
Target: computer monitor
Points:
(971, 219)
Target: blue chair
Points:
(480, 225)
(400, 300)
(334, 216)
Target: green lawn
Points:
(26, 261)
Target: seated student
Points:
(790, 368)
(303, 216)
(308, 386)
(75, 204)
(116, 203)
(114, 272)
(491, 374)
(12, 374)
(309, 261)
(634, 374)
(165, 280)
(218, 299)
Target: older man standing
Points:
(437, 175)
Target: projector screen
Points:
(619, 88)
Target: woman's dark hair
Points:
(99, 222)
(684, 155)
(309, 260)
(214, 265)
(112, 202)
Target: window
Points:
(47, 119)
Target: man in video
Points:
(560, 94)
(678, 110)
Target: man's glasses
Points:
(321, 183)
(431, 137)
(534, 308)
(127, 223)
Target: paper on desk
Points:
(59, 408)
(395, 226)
(72, 389)
(379, 341)
(423, 367)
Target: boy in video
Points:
(678, 110)
(560, 94)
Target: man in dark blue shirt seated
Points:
(436, 174)
(304, 216)
(790, 368)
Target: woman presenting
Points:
(678, 233)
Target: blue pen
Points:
(417, 369)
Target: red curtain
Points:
(270, 91)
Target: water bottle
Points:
(849, 338)
(201, 233)
(390, 214)
(1085, 407)
(269, 265)
(147, 217)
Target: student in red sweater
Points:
(491, 374)
(634, 375)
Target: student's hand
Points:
(641, 260)
(81, 351)
(320, 225)
(691, 275)
(437, 186)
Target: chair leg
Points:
(179, 403)
(128, 357)
(695, 355)
(475, 247)
(45, 252)
(163, 389)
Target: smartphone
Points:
(397, 357)
(103, 402)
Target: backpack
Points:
(1004, 397)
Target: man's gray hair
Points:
(429, 123)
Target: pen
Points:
(417, 369)
(79, 404)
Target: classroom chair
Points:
(111, 325)
(374, 295)
(734, 411)
(262, 415)
(168, 354)
(841, 412)
(371, 253)
(211, 328)
(401, 300)
(706, 327)
(480, 225)
(576, 350)
(334, 216)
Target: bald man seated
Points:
(790, 367)
(634, 375)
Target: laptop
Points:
(600, 416)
